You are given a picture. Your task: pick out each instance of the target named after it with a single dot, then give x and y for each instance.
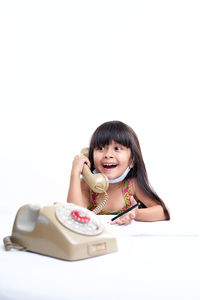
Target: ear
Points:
(131, 165)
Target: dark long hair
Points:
(124, 135)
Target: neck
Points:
(115, 186)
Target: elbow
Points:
(166, 213)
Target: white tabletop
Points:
(157, 260)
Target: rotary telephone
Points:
(63, 230)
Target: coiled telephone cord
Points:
(9, 244)
(102, 204)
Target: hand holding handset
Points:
(97, 182)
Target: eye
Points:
(100, 148)
(117, 148)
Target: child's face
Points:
(112, 160)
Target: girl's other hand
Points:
(125, 219)
(128, 217)
(78, 163)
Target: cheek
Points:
(96, 158)
(126, 160)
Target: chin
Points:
(110, 176)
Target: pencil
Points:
(124, 212)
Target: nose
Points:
(108, 153)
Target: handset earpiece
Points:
(97, 182)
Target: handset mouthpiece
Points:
(98, 183)
(102, 183)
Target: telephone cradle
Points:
(63, 230)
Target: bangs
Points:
(112, 131)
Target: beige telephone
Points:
(97, 182)
(63, 230)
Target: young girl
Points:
(115, 151)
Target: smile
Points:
(109, 166)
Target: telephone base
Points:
(63, 231)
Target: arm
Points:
(154, 210)
(78, 190)
(150, 214)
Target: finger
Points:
(87, 162)
(132, 215)
(127, 220)
(118, 222)
(122, 221)
(85, 159)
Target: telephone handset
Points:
(98, 183)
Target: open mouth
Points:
(109, 166)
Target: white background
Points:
(68, 66)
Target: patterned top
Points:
(127, 198)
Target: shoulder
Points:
(132, 185)
(140, 194)
(135, 187)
